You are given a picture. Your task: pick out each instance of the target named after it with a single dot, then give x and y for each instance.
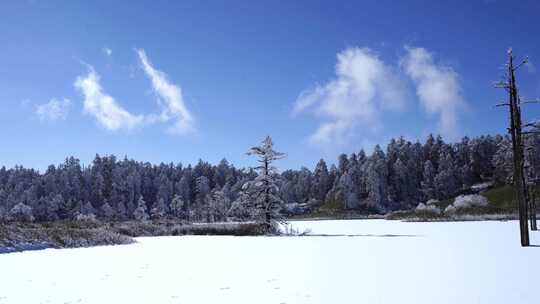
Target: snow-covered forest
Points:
(120, 189)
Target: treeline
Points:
(398, 178)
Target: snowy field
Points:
(372, 261)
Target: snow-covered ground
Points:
(372, 261)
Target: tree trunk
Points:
(517, 146)
(267, 207)
(532, 211)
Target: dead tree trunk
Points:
(517, 148)
(532, 187)
(532, 210)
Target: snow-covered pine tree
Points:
(446, 180)
(218, 205)
(320, 184)
(428, 182)
(264, 190)
(202, 186)
(177, 206)
(53, 206)
(88, 209)
(121, 212)
(21, 213)
(140, 212)
(502, 161)
(159, 210)
(377, 177)
(106, 211)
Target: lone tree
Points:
(516, 131)
(264, 191)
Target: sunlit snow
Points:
(363, 261)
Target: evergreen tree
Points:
(140, 213)
(377, 175)
(446, 181)
(21, 213)
(177, 206)
(428, 183)
(264, 190)
(106, 211)
(321, 181)
(159, 210)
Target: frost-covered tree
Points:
(377, 177)
(140, 213)
(120, 211)
(428, 183)
(202, 187)
(219, 204)
(398, 180)
(183, 188)
(106, 211)
(21, 213)
(321, 181)
(264, 190)
(348, 193)
(481, 151)
(159, 210)
(242, 208)
(446, 181)
(164, 188)
(88, 209)
(84, 209)
(54, 205)
(177, 206)
(343, 163)
(503, 162)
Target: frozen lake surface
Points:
(362, 261)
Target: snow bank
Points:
(450, 209)
(472, 200)
(482, 186)
(428, 208)
(432, 202)
(466, 201)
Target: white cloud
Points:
(169, 98)
(53, 110)
(102, 106)
(107, 51)
(437, 87)
(364, 87)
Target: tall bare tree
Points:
(515, 129)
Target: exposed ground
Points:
(71, 234)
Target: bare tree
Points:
(264, 190)
(532, 175)
(515, 129)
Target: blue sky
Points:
(182, 80)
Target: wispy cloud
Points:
(107, 51)
(102, 106)
(364, 86)
(53, 110)
(437, 87)
(169, 98)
